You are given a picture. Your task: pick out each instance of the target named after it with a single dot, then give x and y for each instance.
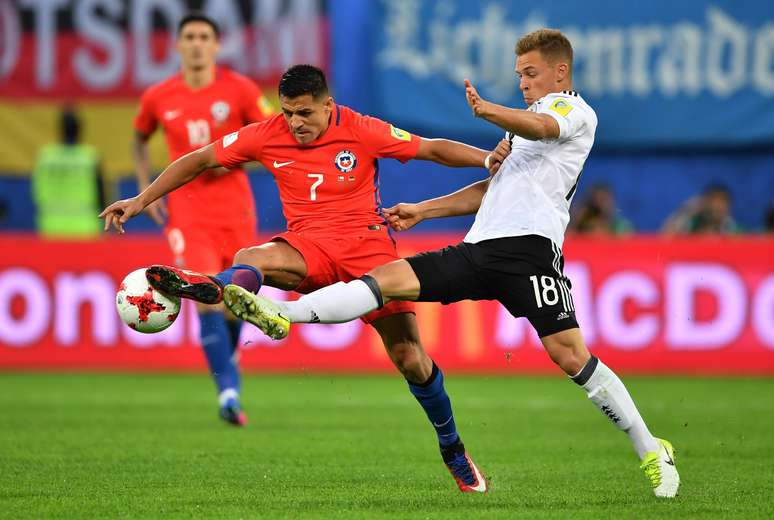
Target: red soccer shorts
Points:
(209, 249)
(345, 257)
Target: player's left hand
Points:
(119, 212)
(477, 104)
(498, 155)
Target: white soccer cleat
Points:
(260, 311)
(659, 466)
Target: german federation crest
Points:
(345, 161)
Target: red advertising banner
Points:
(645, 304)
(108, 49)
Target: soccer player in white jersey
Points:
(513, 252)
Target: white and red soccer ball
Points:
(142, 307)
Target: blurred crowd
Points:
(709, 212)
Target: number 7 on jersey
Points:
(313, 187)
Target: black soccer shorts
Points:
(523, 273)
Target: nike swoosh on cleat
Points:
(481, 487)
(281, 164)
(669, 459)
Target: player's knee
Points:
(396, 281)
(255, 257)
(243, 256)
(568, 355)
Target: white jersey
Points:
(532, 191)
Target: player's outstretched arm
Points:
(181, 171)
(142, 166)
(462, 202)
(451, 153)
(529, 125)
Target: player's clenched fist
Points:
(476, 102)
(403, 216)
(498, 155)
(119, 212)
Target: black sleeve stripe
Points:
(574, 187)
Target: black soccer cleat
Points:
(185, 284)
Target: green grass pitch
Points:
(150, 446)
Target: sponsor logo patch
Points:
(397, 133)
(230, 138)
(561, 107)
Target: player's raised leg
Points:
(275, 263)
(608, 393)
(400, 335)
(199, 287)
(336, 303)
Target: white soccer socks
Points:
(228, 394)
(337, 303)
(609, 394)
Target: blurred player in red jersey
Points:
(213, 217)
(324, 160)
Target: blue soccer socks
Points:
(234, 329)
(433, 397)
(217, 345)
(243, 275)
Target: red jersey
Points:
(331, 183)
(192, 119)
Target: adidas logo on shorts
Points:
(562, 316)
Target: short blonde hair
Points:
(552, 44)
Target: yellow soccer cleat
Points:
(260, 311)
(659, 466)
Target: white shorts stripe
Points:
(569, 296)
(557, 258)
(565, 296)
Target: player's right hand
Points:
(403, 216)
(157, 211)
(476, 102)
(119, 212)
(501, 151)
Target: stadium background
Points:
(683, 93)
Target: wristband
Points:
(487, 161)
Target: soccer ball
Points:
(142, 307)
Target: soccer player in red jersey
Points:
(212, 217)
(324, 159)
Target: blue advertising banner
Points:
(689, 73)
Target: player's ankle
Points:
(228, 394)
(243, 275)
